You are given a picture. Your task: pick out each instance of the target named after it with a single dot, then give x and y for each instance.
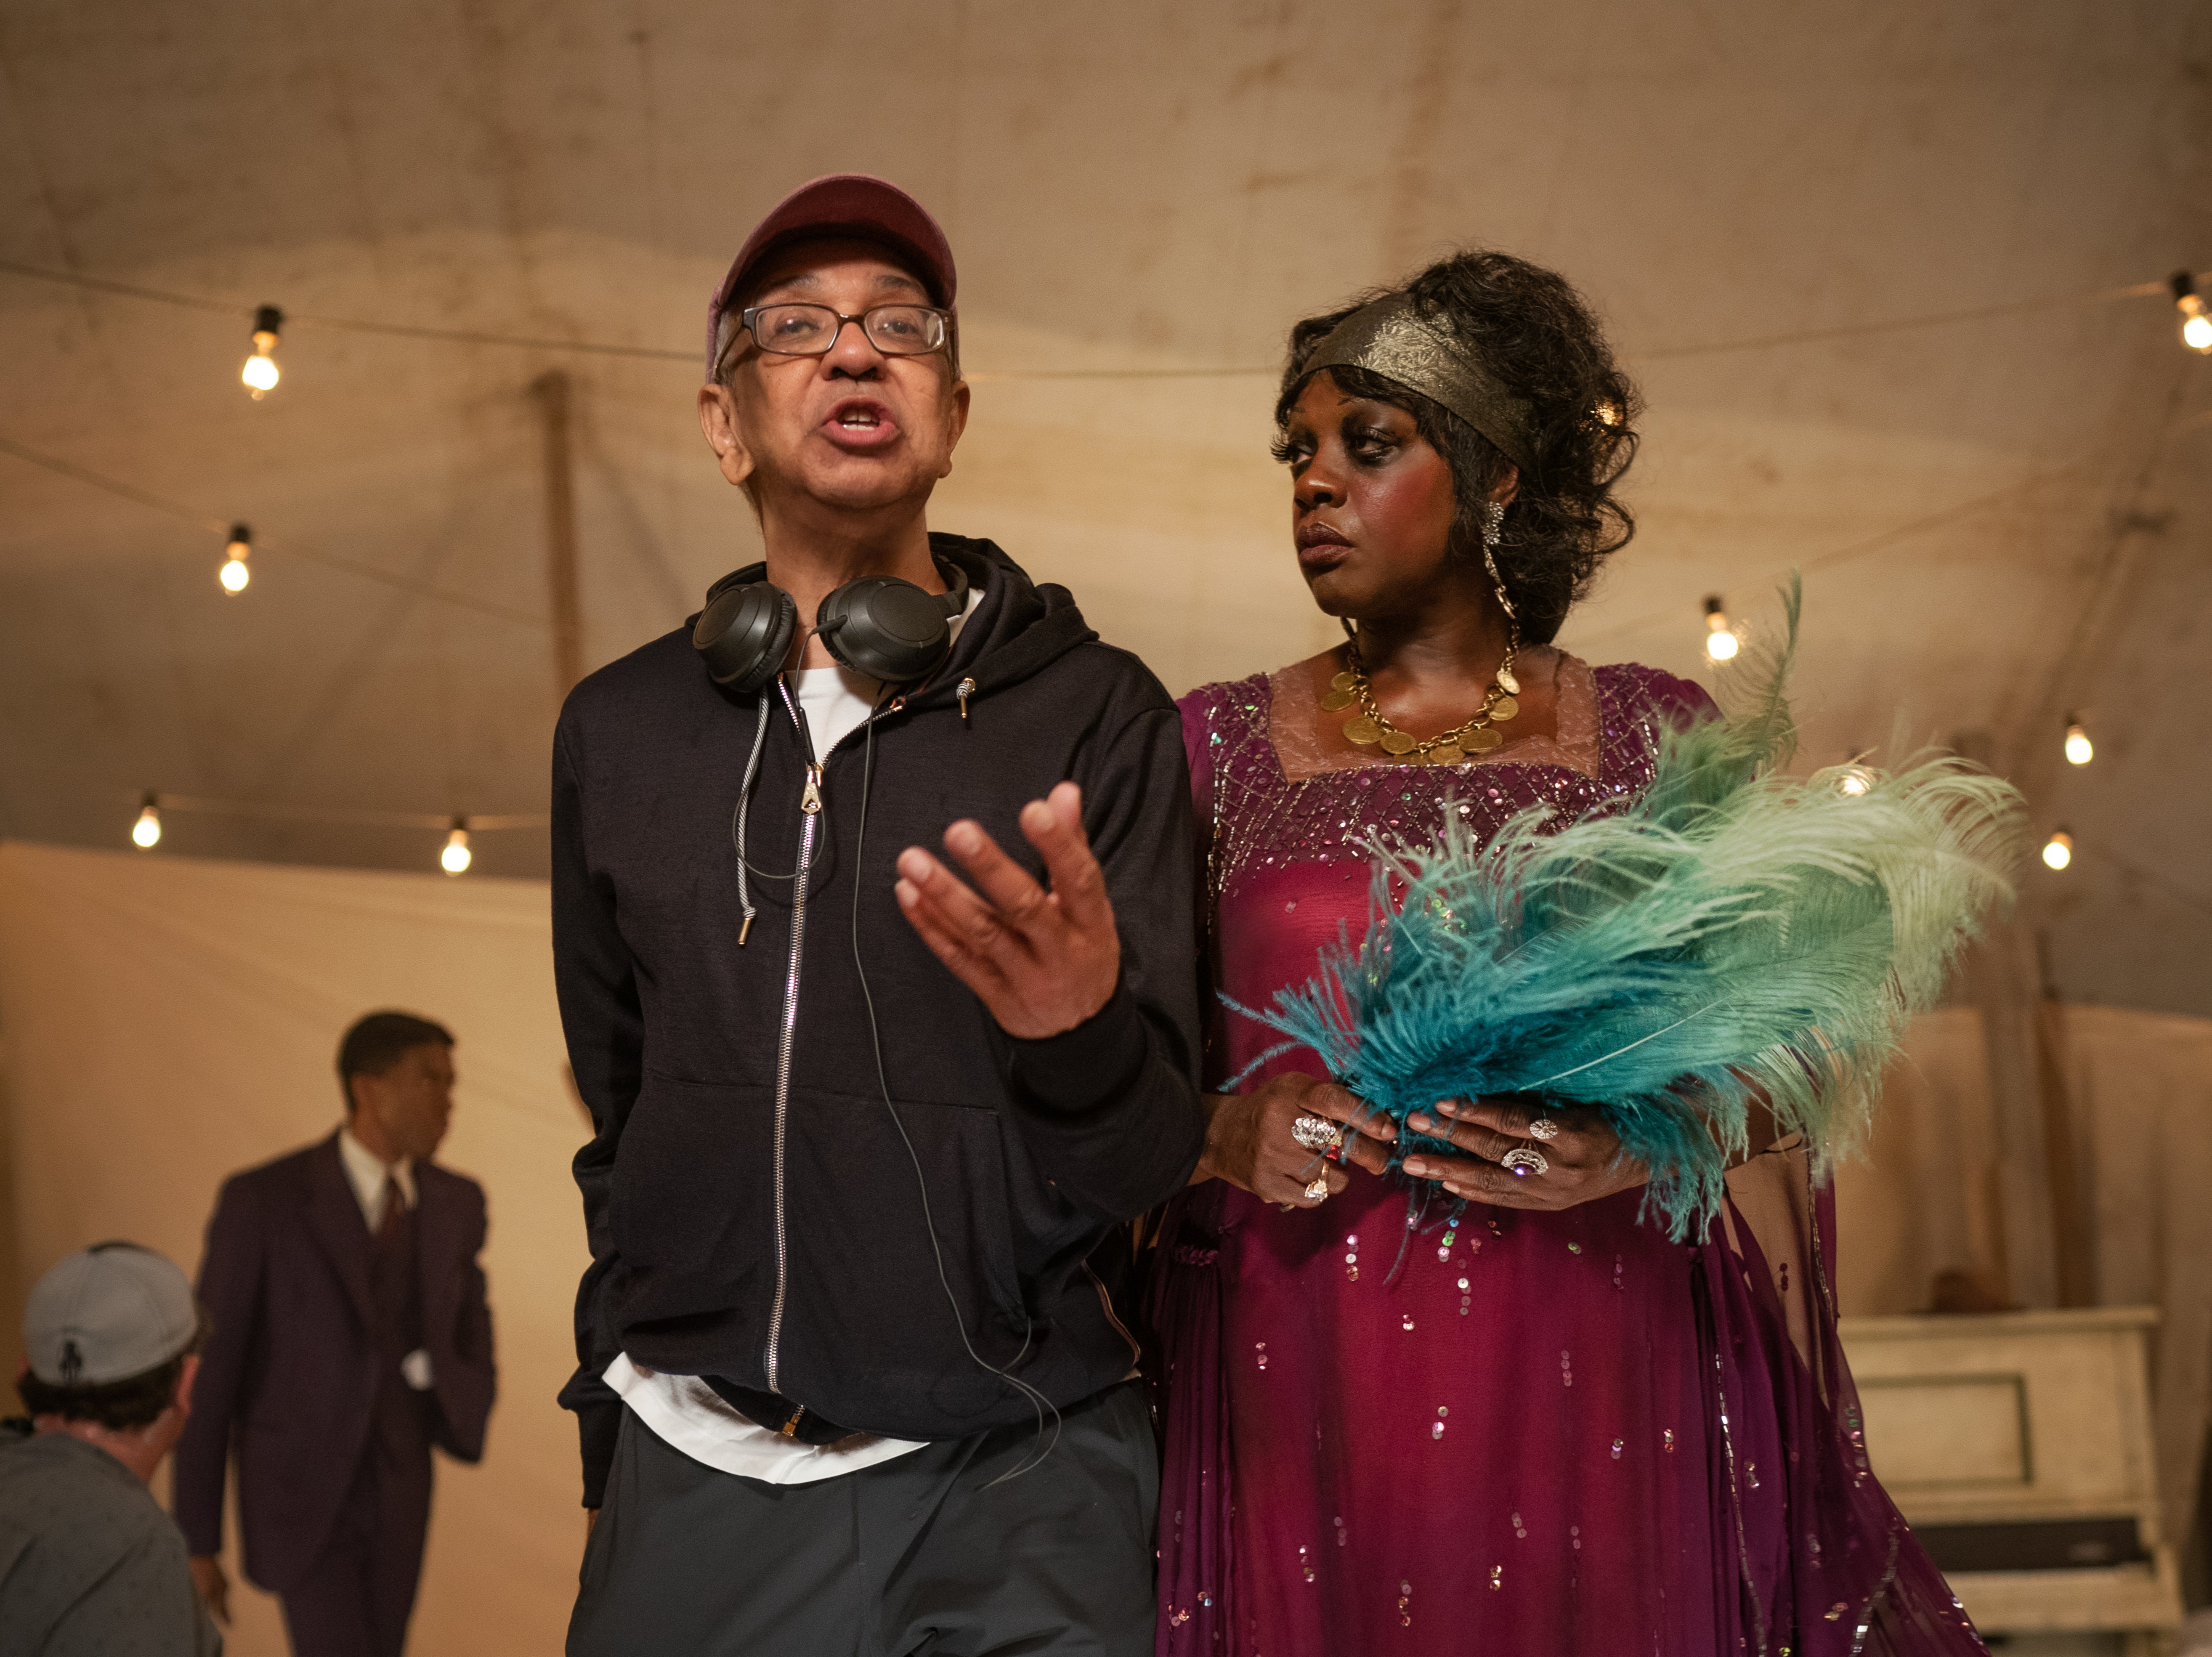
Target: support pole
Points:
(552, 391)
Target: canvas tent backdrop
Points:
(1845, 249)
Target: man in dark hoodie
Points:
(847, 1378)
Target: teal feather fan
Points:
(1733, 932)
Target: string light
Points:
(235, 573)
(2058, 850)
(2196, 324)
(1721, 644)
(453, 856)
(260, 373)
(454, 860)
(691, 355)
(2080, 750)
(1854, 780)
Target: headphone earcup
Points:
(887, 628)
(744, 634)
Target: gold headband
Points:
(1392, 338)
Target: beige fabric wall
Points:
(165, 1020)
(168, 1021)
(2137, 1099)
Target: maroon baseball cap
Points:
(842, 203)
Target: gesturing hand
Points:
(1583, 1154)
(213, 1587)
(1248, 1141)
(1042, 961)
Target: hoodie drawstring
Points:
(738, 821)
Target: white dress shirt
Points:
(366, 1171)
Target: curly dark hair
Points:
(1533, 333)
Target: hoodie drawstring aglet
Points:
(966, 688)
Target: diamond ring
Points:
(1318, 1191)
(1316, 1134)
(1544, 1128)
(1522, 1161)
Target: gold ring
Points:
(1318, 1191)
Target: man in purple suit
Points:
(350, 1335)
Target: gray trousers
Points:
(920, 1555)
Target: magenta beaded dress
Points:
(1510, 1434)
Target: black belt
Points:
(786, 1418)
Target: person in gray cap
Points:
(89, 1564)
(848, 1379)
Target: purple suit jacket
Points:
(290, 1374)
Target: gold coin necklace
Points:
(1370, 727)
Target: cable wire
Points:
(1037, 1401)
(338, 814)
(665, 354)
(178, 509)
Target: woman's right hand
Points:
(1248, 1141)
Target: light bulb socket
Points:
(1715, 612)
(241, 541)
(268, 319)
(2184, 285)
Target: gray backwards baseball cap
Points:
(108, 1312)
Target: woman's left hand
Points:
(1582, 1159)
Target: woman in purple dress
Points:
(1521, 1422)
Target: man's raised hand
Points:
(1042, 961)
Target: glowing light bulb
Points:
(146, 833)
(454, 860)
(2196, 324)
(2080, 750)
(1855, 780)
(2058, 850)
(234, 573)
(1721, 643)
(260, 373)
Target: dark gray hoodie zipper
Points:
(809, 807)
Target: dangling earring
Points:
(1493, 531)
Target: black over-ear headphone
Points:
(887, 628)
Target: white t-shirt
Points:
(687, 1415)
(683, 1410)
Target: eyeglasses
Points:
(812, 329)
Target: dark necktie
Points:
(395, 1214)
